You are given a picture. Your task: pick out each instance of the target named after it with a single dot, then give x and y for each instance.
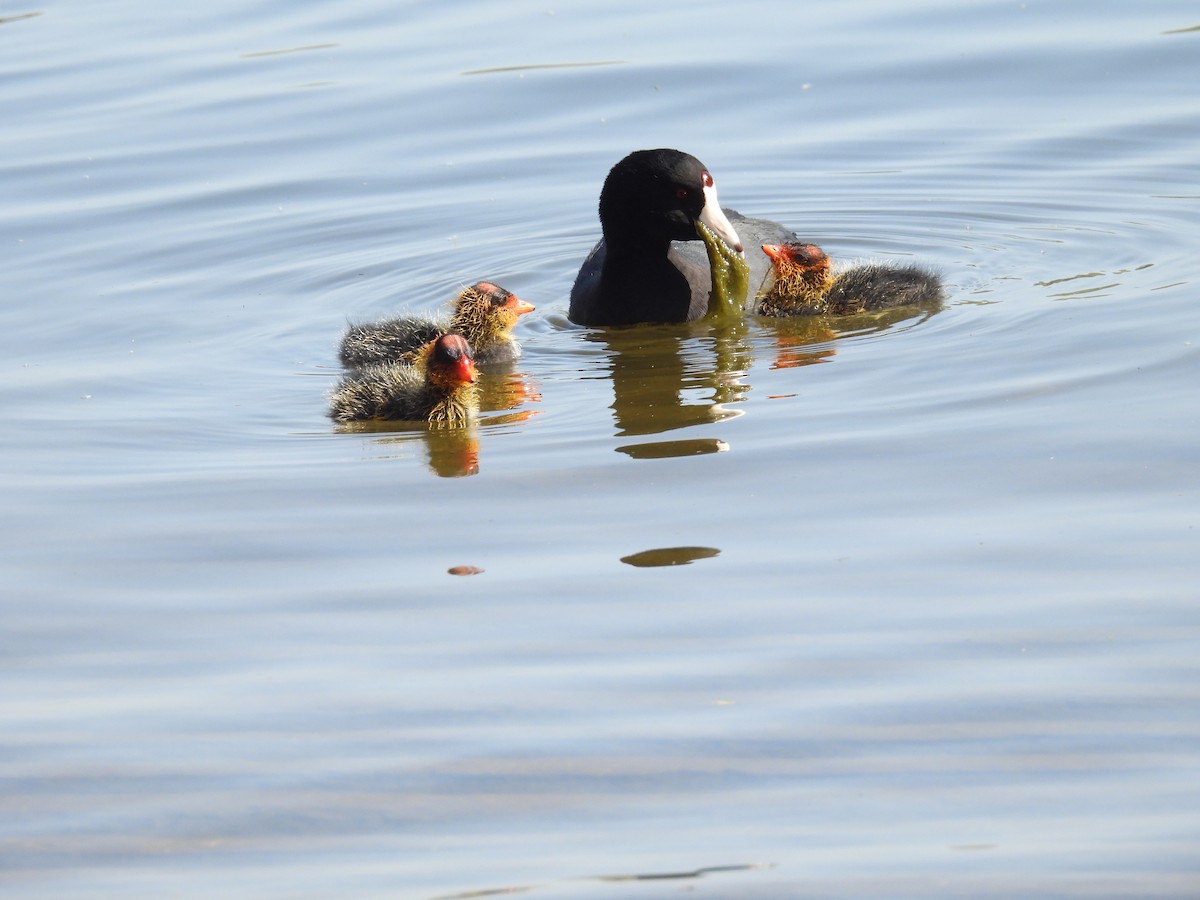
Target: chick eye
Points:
(681, 193)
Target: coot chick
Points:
(649, 199)
(438, 387)
(484, 314)
(805, 285)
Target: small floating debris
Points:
(465, 570)
(669, 556)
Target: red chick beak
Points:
(465, 371)
(774, 251)
(519, 306)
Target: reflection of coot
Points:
(634, 275)
(484, 314)
(665, 378)
(804, 285)
(439, 387)
(453, 452)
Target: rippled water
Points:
(898, 609)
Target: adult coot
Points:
(636, 274)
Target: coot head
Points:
(795, 254)
(801, 276)
(649, 199)
(485, 300)
(653, 197)
(451, 361)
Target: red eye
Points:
(681, 193)
(708, 180)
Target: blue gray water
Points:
(783, 612)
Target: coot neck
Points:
(627, 243)
(640, 284)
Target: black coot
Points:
(635, 274)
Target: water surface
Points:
(779, 610)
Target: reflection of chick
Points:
(438, 387)
(484, 314)
(805, 285)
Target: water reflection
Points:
(454, 452)
(449, 452)
(798, 340)
(674, 449)
(667, 377)
(4, 20)
(693, 874)
(503, 388)
(664, 377)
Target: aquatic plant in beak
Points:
(730, 276)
